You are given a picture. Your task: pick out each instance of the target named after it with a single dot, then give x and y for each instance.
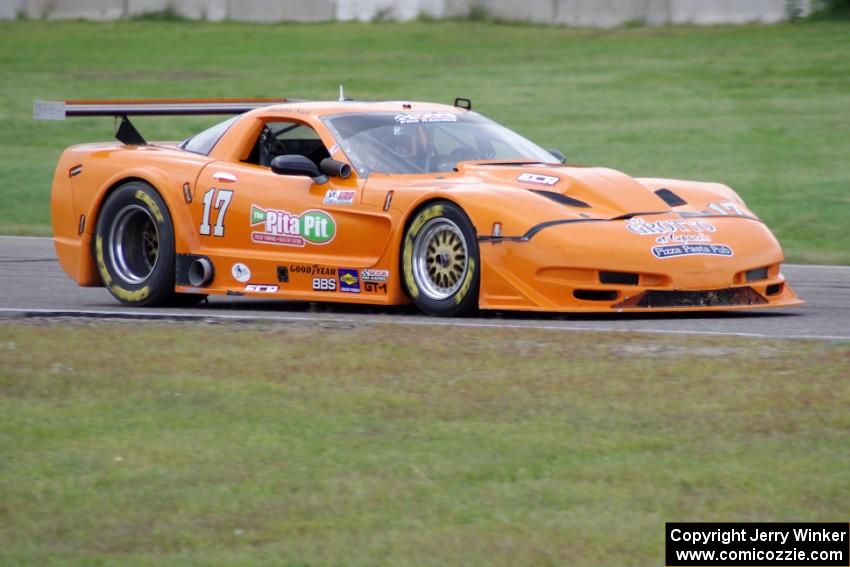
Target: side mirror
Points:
(298, 165)
(334, 168)
(558, 155)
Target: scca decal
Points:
(374, 275)
(289, 229)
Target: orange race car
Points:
(391, 202)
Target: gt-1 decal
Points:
(289, 229)
(673, 250)
(261, 288)
(324, 284)
(373, 287)
(339, 197)
(539, 179)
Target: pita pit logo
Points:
(289, 229)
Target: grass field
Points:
(763, 109)
(151, 444)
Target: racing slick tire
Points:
(440, 262)
(134, 248)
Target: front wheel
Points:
(440, 261)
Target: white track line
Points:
(148, 315)
(817, 266)
(10, 237)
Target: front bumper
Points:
(602, 267)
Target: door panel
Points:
(246, 214)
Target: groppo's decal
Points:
(349, 281)
(539, 179)
(290, 229)
(680, 237)
(339, 197)
(666, 231)
(673, 250)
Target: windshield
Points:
(427, 142)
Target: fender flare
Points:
(161, 181)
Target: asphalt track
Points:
(33, 285)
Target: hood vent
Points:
(561, 198)
(670, 198)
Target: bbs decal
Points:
(324, 284)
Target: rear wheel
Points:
(440, 261)
(134, 247)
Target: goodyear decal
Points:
(467, 281)
(131, 296)
(148, 200)
(407, 257)
(120, 292)
(312, 270)
(101, 265)
(425, 216)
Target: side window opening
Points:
(287, 138)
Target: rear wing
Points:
(126, 132)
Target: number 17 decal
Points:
(222, 201)
(726, 208)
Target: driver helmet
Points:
(402, 142)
